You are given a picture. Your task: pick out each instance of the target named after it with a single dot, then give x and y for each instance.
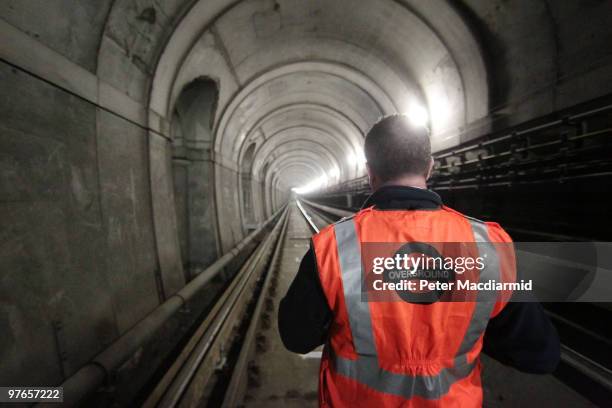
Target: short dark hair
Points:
(396, 147)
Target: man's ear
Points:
(372, 179)
(430, 170)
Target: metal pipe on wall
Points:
(91, 376)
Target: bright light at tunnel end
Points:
(417, 114)
(356, 158)
(314, 185)
(334, 173)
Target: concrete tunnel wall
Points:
(92, 152)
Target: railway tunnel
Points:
(163, 165)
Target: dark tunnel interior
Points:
(164, 164)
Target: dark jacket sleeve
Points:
(522, 336)
(304, 315)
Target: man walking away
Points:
(403, 353)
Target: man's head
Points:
(398, 152)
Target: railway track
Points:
(213, 367)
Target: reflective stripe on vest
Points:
(366, 369)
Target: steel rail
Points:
(329, 210)
(161, 389)
(94, 374)
(307, 217)
(237, 385)
(196, 358)
(587, 366)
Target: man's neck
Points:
(406, 181)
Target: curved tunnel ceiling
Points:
(302, 85)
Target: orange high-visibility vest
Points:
(400, 354)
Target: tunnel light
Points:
(356, 158)
(351, 158)
(334, 173)
(312, 186)
(418, 115)
(440, 110)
